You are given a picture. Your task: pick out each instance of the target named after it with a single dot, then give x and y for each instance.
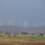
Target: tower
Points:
(25, 23)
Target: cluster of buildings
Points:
(5, 34)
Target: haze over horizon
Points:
(22, 12)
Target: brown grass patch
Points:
(21, 42)
(23, 35)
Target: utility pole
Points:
(12, 24)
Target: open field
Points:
(30, 37)
(23, 40)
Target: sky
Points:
(22, 12)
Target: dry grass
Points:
(17, 41)
(23, 35)
(21, 42)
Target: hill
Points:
(16, 29)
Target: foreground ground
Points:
(21, 42)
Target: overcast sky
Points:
(32, 12)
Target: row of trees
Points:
(41, 34)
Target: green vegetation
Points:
(32, 37)
(22, 36)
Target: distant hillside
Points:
(15, 29)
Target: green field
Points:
(24, 37)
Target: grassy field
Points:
(23, 40)
(34, 37)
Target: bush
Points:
(41, 34)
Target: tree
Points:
(41, 34)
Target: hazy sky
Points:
(30, 11)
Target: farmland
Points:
(23, 40)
